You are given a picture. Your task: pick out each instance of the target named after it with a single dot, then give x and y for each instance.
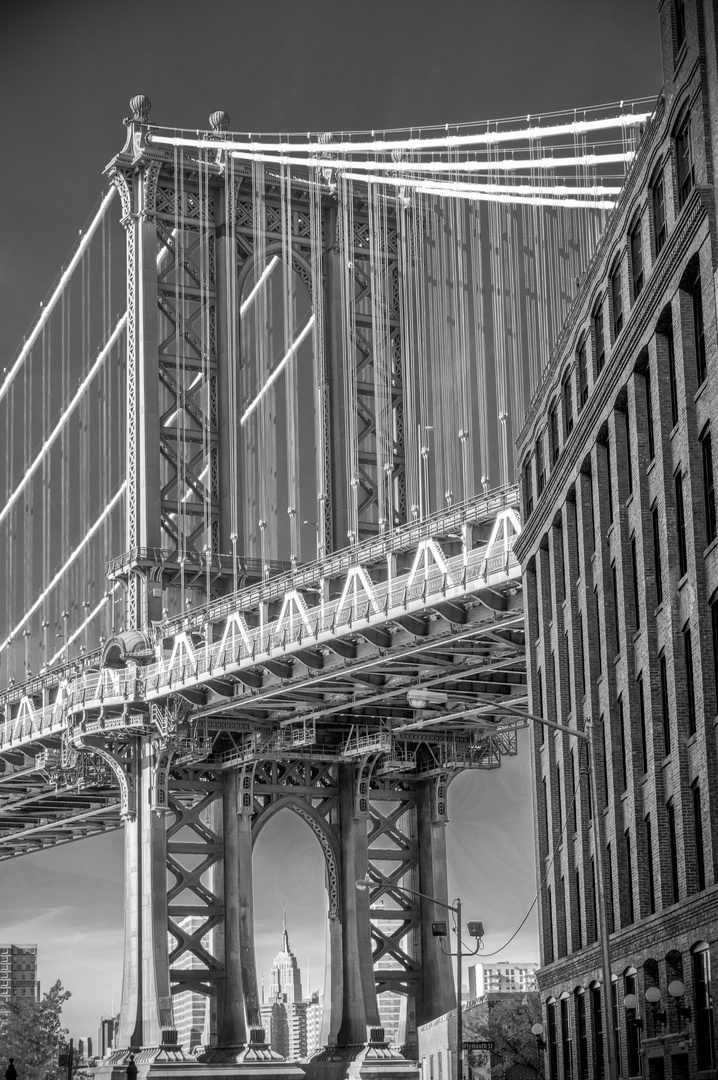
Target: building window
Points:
(582, 1035)
(642, 715)
(629, 866)
(699, 331)
(657, 553)
(582, 663)
(540, 466)
(714, 640)
(616, 620)
(552, 1041)
(606, 761)
(577, 912)
(528, 488)
(672, 381)
(554, 447)
(649, 866)
(634, 571)
(681, 526)
(599, 336)
(567, 395)
(636, 246)
(709, 494)
(633, 1049)
(665, 711)
(574, 801)
(698, 834)
(582, 363)
(549, 910)
(705, 1047)
(690, 687)
(597, 624)
(649, 417)
(673, 848)
(609, 897)
(566, 1044)
(685, 174)
(616, 300)
(559, 796)
(622, 733)
(615, 1020)
(658, 205)
(597, 1017)
(629, 461)
(679, 12)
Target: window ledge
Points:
(636, 635)
(674, 430)
(629, 501)
(651, 465)
(682, 582)
(711, 547)
(658, 609)
(701, 388)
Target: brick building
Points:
(620, 558)
(18, 972)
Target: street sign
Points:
(479, 1044)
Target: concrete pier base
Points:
(367, 1061)
(171, 1063)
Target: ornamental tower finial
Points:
(140, 106)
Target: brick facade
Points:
(620, 561)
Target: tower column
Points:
(232, 1029)
(146, 1011)
(359, 1009)
(245, 917)
(436, 995)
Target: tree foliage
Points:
(507, 1022)
(31, 1032)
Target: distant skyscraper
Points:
(18, 972)
(315, 1010)
(284, 1014)
(503, 977)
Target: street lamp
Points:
(537, 1032)
(439, 929)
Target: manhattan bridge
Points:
(258, 509)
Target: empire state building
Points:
(284, 1014)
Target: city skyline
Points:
(68, 941)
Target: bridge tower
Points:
(192, 230)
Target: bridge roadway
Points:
(401, 650)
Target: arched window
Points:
(581, 1032)
(635, 248)
(685, 171)
(705, 1046)
(657, 188)
(616, 297)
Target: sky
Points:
(67, 73)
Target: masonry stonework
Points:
(619, 552)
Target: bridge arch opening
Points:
(290, 876)
(278, 376)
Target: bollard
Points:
(131, 1068)
(11, 1071)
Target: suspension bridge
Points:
(258, 519)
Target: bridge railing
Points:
(480, 509)
(241, 645)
